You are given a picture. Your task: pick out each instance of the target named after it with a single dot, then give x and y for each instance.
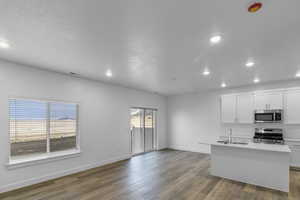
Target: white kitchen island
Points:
(260, 164)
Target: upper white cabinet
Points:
(292, 107)
(245, 108)
(268, 101)
(228, 108)
(237, 108)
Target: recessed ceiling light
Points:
(223, 85)
(250, 64)
(4, 44)
(108, 73)
(215, 39)
(256, 80)
(206, 72)
(298, 75)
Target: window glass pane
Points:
(137, 130)
(63, 126)
(148, 118)
(136, 119)
(27, 127)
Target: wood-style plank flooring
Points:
(158, 175)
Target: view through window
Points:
(41, 127)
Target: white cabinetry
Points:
(228, 108)
(237, 108)
(292, 110)
(268, 101)
(261, 102)
(295, 154)
(245, 108)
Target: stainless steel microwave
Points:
(268, 116)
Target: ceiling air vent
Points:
(73, 74)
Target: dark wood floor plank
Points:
(161, 175)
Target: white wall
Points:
(194, 119)
(103, 120)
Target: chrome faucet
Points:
(230, 136)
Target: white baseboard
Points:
(33, 181)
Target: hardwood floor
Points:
(158, 175)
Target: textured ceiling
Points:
(159, 46)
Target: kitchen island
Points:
(259, 164)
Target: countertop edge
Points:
(256, 146)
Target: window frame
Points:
(30, 159)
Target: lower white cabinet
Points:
(295, 155)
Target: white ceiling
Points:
(155, 45)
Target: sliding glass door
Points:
(143, 130)
(149, 130)
(137, 131)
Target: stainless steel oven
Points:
(268, 116)
(268, 135)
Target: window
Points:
(41, 127)
(63, 125)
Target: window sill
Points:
(25, 161)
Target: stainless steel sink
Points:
(243, 143)
(223, 142)
(227, 142)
